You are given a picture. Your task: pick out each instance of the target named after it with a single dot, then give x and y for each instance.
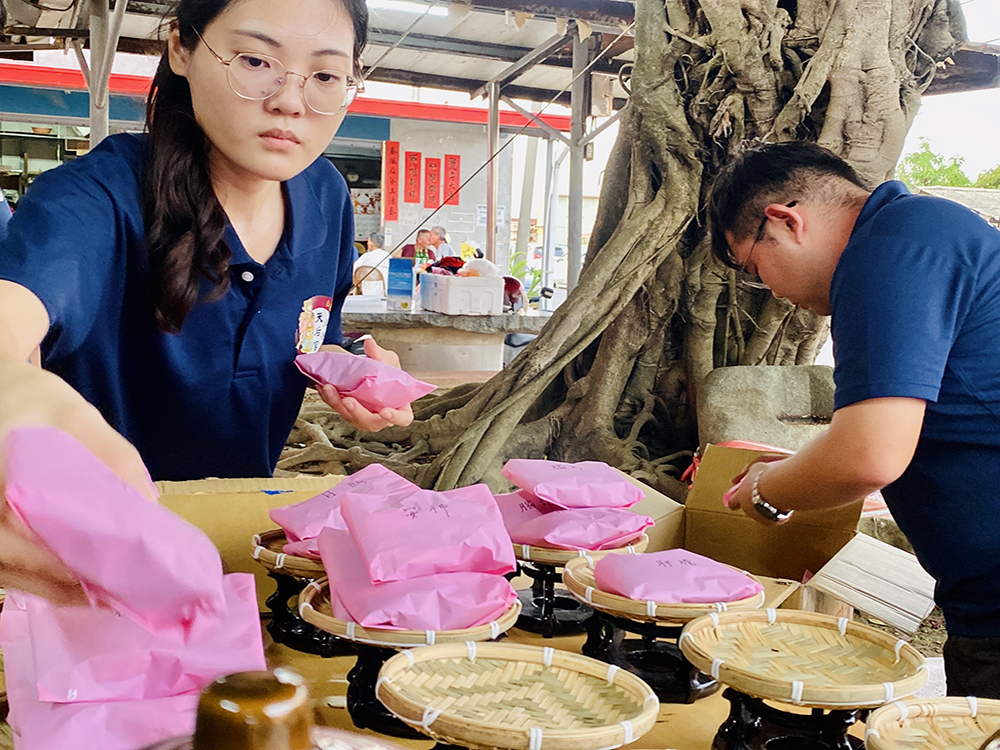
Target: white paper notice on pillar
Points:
(481, 218)
(501, 217)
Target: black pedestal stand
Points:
(655, 658)
(754, 725)
(288, 629)
(546, 610)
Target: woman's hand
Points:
(358, 415)
(739, 496)
(30, 396)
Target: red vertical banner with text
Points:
(390, 181)
(432, 183)
(452, 178)
(411, 177)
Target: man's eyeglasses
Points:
(259, 77)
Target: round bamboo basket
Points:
(578, 577)
(933, 724)
(559, 557)
(516, 697)
(804, 658)
(267, 550)
(315, 608)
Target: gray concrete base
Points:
(442, 348)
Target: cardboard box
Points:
(231, 511)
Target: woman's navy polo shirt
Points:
(220, 398)
(916, 314)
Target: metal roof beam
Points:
(530, 60)
(610, 12)
(448, 45)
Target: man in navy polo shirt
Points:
(913, 287)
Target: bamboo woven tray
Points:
(933, 724)
(267, 550)
(314, 608)
(502, 695)
(804, 658)
(559, 557)
(578, 576)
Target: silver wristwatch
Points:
(765, 508)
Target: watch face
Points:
(771, 513)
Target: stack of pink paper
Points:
(375, 385)
(570, 506)
(164, 620)
(420, 560)
(673, 576)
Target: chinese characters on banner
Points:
(432, 183)
(411, 178)
(452, 178)
(390, 181)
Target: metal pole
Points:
(492, 171)
(578, 107)
(527, 197)
(99, 30)
(547, 228)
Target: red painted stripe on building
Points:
(68, 78)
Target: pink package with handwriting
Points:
(85, 654)
(129, 553)
(675, 575)
(374, 384)
(583, 528)
(588, 484)
(113, 725)
(520, 507)
(303, 521)
(445, 601)
(427, 532)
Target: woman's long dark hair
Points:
(184, 219)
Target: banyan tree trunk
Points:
(614, 374)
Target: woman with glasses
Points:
(164, 282)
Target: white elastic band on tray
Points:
(651, 698)
(351, 627)
(256, 553)
(378, 683)
(629, 731)
(716, 666)
(589, 594)
(430, 716)
(651, 608)
(429, 637)
(890, 691)
(494, 629)
(923, 667)
(315, 585)
(280, 562)
(721, 606)
(903, 710)
(256, 539)
(547, 653)
(973, 705)
(470, 646)
(869, 733)
(612, 670)
(715, 619)
(409, 658)
(772, 615)
(583, 553)
(302, 607)
(535, 738)
(797, 687)
(842, 627)
(526, 552)
(631, 550)
(899, 647)
(684, 635)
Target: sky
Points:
(965, 125)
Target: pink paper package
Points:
(374, 384)
(673, 576)
(303, 521)
(588, 484)
(129, 553)
(583, 528)
(427, 532)
(85, 654)
(113, 725)
(445, 601)
(520, 507)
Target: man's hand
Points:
(358, 415)
(739, 495)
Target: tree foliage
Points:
(925, 167)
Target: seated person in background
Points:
(439, 241)
(372, 282)
(424, 241)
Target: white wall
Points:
(434, 140)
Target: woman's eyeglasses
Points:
(258, 77)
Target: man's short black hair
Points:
(771, 173)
